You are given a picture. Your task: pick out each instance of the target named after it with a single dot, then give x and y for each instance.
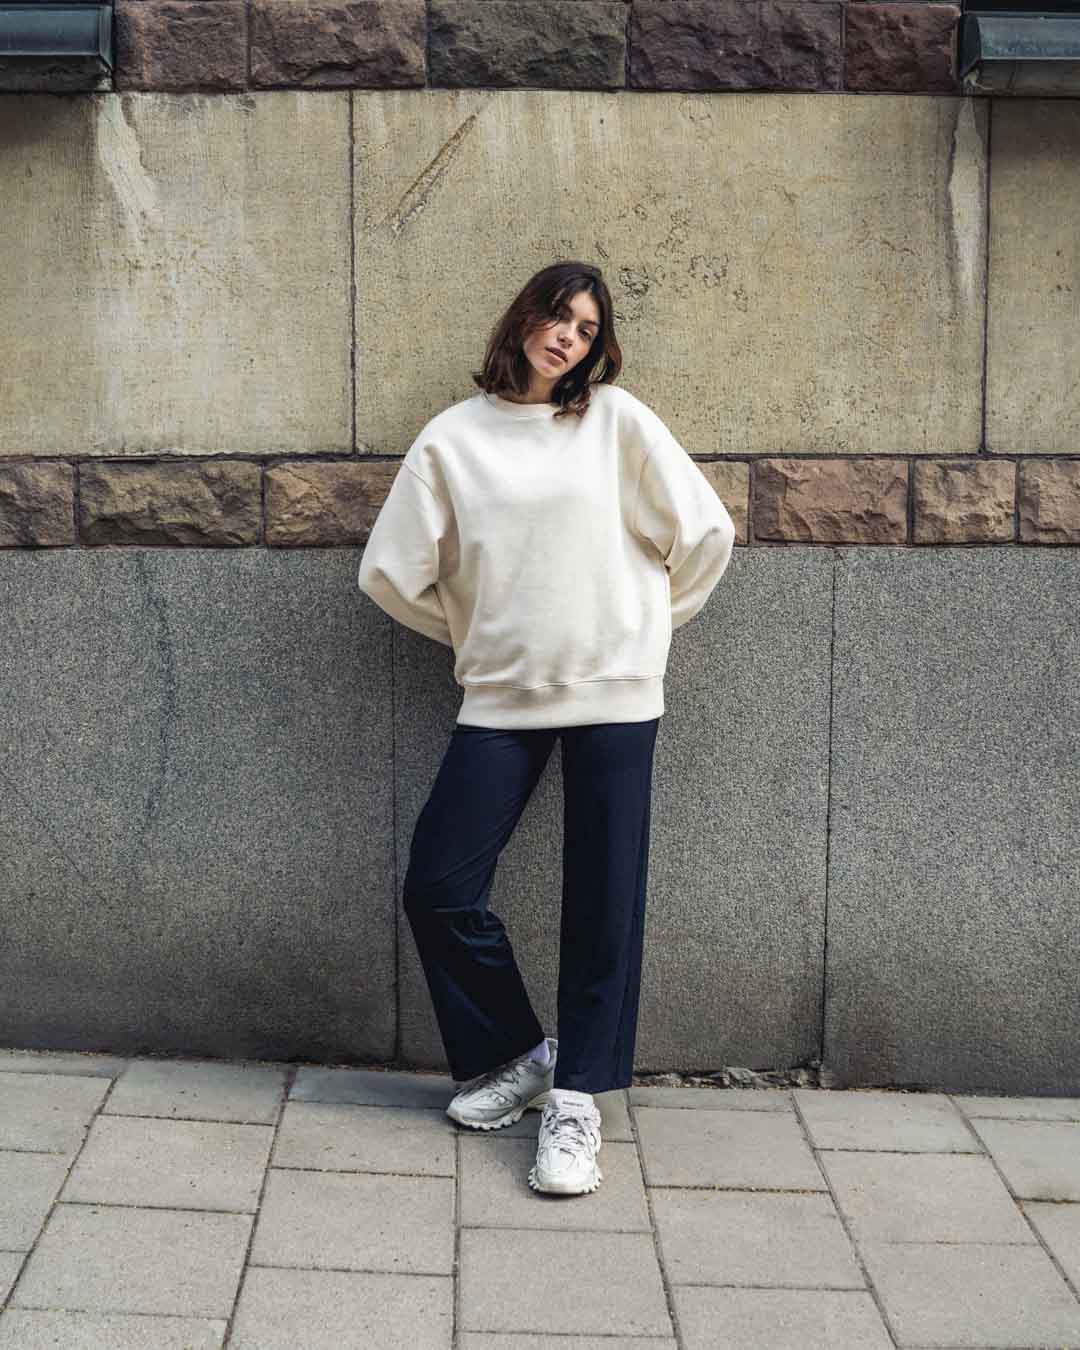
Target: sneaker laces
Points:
(567, 1128)
(501, 1075)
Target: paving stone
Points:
(369, 1087)
(780, 1319)
(731, 1237)
(27, 1329)
(54, 1061)
(713, 1099)
(495, 1190)
(48, 1113)
(1020, 1108)
(1059, 1227)
(924, 1197)
(972, 1294)
(521, 1284)
(907, 1121)
(356, 1221)
(340, 1137)
(487, 1340)
(9, 1268)
(725, 1148)
(28, 1185)
(171, 1164)
(1040, 1159)
(337, 1310)
(245, 1093)
(115, 1259)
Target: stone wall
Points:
(224, 316)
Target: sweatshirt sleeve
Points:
(400, 563)
(679, 510)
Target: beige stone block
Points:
(176, 274)
(964, 501)
(1033, 337)
(790, 273)
(1050, 501)
(862, 501)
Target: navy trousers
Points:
(481, 789)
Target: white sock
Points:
(541, 1053)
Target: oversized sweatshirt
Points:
(554, 555)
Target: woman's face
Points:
(570, 333)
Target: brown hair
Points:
(506, 367)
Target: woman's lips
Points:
(555, 356)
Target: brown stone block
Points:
(321, 503)
(731, 480)
(36, 504)
(359, 44)
(208, 503)
(906, 48)
(1050, 501)
(831, 501)
(180, 44)
(560, 44)
(735, 44)
(964, 501)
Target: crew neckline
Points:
(512, 409)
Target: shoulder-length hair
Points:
(506, 367)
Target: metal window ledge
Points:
(57, 31)
(1021, 52)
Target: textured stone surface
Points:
(906, 48)
(203, 301)
(180, 44)
(734, 921)
(819, 291)
(1050, 501)
(964, 501)
(779, 1319)
(213, 505)
(56, 76)
(562, 44)
(325, 503)
(325, 43)
(1033, 332)
(37, 504)
(732, 483)
(831, 501)
(954, 846)
(197, 834)
(729, 44)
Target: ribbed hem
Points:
(505, 708)
(511, 409)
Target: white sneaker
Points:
(503, 1095)
(568, 1144)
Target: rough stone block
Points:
(180, 44)
(562, 44)
(728, 44)
(208, 504)
(37, 504)
(964, 501)
(325, 503)
(861, 501)
(906, 48)
(1050, 501)
(330, 43)
(732, 483)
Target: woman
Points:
(552, 531)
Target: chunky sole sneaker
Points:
(568, 1145)
(503, 1095)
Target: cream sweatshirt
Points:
(555, 557)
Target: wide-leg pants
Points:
(481, 789)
